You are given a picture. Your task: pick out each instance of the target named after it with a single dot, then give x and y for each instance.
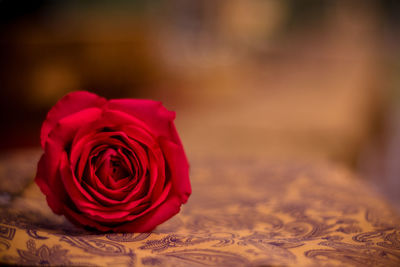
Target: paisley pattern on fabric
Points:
(248, 212)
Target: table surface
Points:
(243, 211)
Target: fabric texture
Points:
(243, 212)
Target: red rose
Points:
(113, 165)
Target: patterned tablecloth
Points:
(246, 212)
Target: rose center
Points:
(110, 166)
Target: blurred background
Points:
(311, 79)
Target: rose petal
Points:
(55, 195)
(80, 219)
(157, 173)
(91, 143)
(150, 220)
(152, 113)
(178, 167)
(117, 195)
(68, 105)
(78, 195)
(59, 138)
(84, 201)
(65, 129)
(105, 217)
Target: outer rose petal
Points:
(54, 199)
(148, 222)
(69, 104)
(145, 223)
(47, 177)
(80, 219)
(178, 168)
(152, 113)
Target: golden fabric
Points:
(246, 212)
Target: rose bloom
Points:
(114, 165)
